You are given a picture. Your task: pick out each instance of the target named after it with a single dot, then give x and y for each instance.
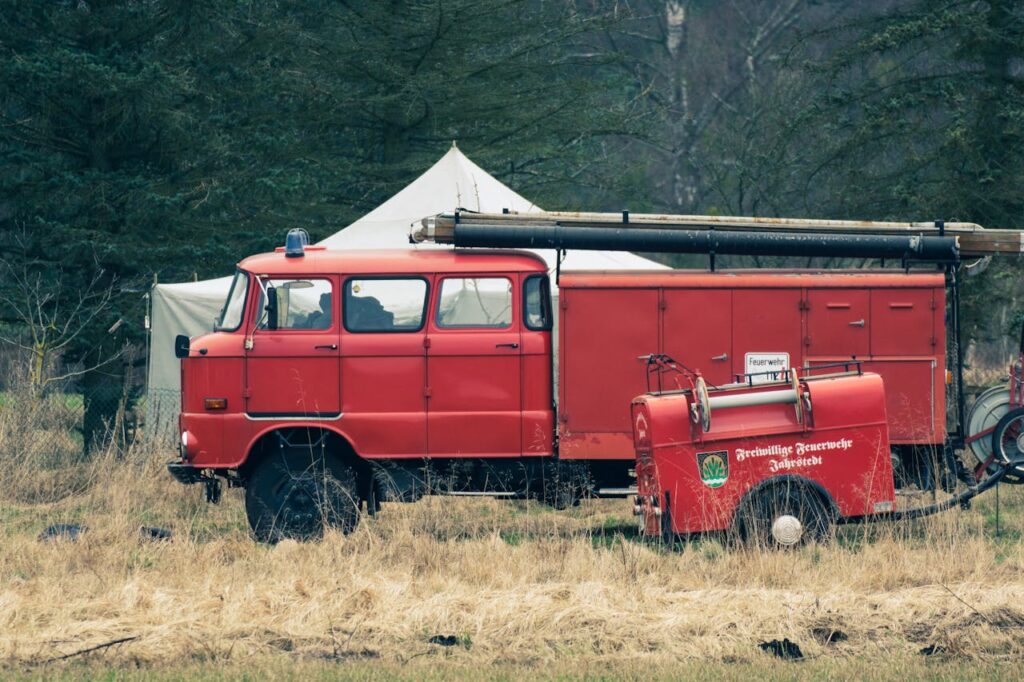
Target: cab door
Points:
(384, 364)
(293, 371)
(474, 368)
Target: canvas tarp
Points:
(190, 308)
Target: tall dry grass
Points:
(515, 583)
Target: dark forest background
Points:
(169, 138)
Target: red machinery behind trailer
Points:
(728, 324)
(796, 455)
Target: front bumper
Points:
(185, 473)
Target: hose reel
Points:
(704, 404)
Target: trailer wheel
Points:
(783, 516)
(298, 491)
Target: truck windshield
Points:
(230, 317)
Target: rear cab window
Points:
(475, 303)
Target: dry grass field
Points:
(517, 589)
(521, 589)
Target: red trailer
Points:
(778, 462)
(336, 380)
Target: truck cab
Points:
(340, 375)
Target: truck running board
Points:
(615, 492)
(478, 493)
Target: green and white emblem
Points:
(713, 468)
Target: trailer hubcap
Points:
(787, 530)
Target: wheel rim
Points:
(298, 507)
(787, 530)
(1011, 441)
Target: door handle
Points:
(721, 358)
(857, 323)
(329, 346)
(506, 345)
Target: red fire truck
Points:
(336, 380)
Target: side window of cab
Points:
(384, 305)
(306, 303)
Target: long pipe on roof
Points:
(719, 242)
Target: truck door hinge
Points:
(427, 392)
(426, 342)
(247, 393)
(935, 342)
(563, 303)
(804, 304)
(563, 416)
(662, 305)
(807, 340)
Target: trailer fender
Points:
(790, 480)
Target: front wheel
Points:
(296, 492)
(783, 516)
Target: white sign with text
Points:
(756, 363)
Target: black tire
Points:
(760, 512)
(294, 493)
(1006, 444)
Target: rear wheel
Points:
(782, 516)
(296, 492)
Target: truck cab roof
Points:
(394, 261)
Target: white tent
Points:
(453, 182)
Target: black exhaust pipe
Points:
(719, 242)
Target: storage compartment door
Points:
(766, 329)
(914, 408)
(902, 322)
(697, 331)
(603, 332)
(837, 323)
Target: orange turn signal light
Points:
(215, 403)
(949, 378)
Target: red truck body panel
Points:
(730, 323)
(841, 446)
